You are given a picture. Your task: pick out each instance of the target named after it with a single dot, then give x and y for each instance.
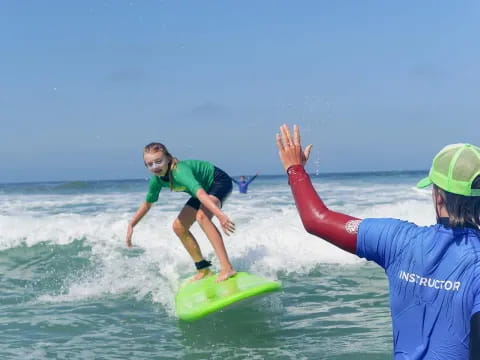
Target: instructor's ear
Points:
(438, 201)
(437, 197)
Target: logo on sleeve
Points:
(179, 188)
(351, 226)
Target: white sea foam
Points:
(269, 238)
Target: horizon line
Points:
(313, 174)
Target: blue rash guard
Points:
(434, 279)
(243, 185)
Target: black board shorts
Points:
(220, 188)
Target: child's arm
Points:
(235, 181)
(142, 210)
(227, 225)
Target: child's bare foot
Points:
(224, 275)
(201, 274)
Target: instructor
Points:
(433, 271)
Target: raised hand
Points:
(290, 150)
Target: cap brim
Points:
(424, 183)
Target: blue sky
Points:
(374, 85)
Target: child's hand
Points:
(227, 225)
(129, 235)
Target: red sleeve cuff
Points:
(296, 173)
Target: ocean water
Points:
(70, 289)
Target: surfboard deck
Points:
(197, 299)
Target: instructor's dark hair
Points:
(462, 210)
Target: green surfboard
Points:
(196, 299)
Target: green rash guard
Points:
(188, 176)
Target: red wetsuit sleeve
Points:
(338, 229)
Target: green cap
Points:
(454, 169)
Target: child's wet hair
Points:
(155, 147)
